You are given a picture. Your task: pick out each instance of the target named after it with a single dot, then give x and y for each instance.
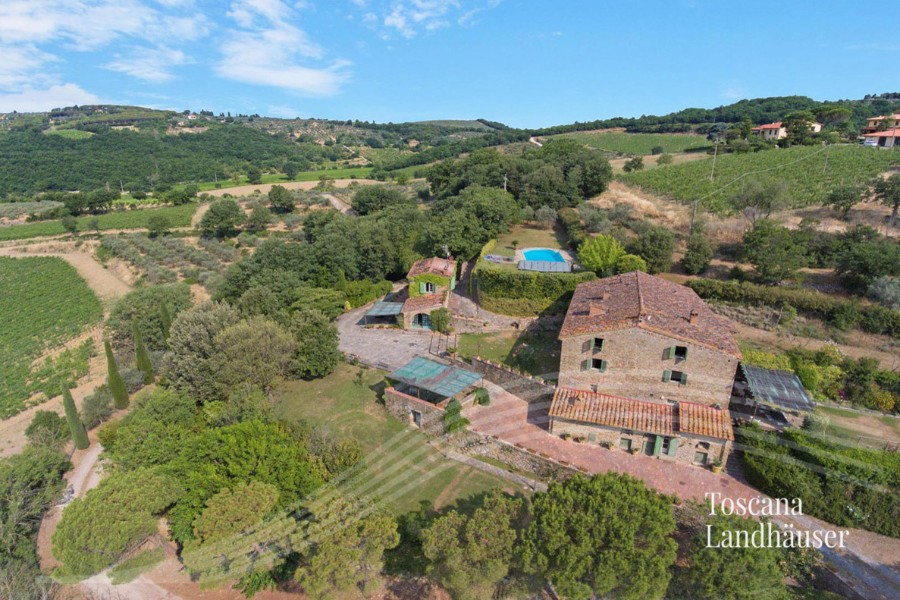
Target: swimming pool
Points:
(543, 254)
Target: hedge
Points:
(845, 486)
(842, 313)
(522, 293)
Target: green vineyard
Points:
(638, 143)
(809, 174)
(44, 304)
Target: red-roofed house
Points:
(639, 336)
(683, 432)
(884, 139)
(873, 124)
(430, 282)
(777, 130)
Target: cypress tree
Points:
(166, 320)
(141, 356)
(114, 379)
(76, 427)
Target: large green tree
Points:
(600, 254)
(76, 427)
(372, 198)
(188, 363)
(222, 219)
(280, 199)
(776, 252)
(341, 548)
(254, 353)
(733, 573)
(470, 555)
(655, 245)
(317, 351)
(141, 356)
(114, 378)
(607, 536)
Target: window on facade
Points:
(700, 458)
(703, 445)
(625, 444)
(598, 344)
(594, 388)
(675, 376)
(430, 288)
(680, 352)
(598, 364)
(665, 445)
(416, 417)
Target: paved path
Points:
(866, 564)
(386, 349)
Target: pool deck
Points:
(520, 254)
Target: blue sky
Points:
(525, 63)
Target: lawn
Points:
(403, 469)
(534, 353)
(71, 134)
(179, 216)
(529, 236)
(857, 428)
(44, 303)
(639, 143)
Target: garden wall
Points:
(527, 388)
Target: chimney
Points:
(695, 316)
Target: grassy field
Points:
(857, 428)
(529, 236)
(407, 469)
(639, 143)
(43, 304)
(179, 216)
(808, 174)
(533, 353)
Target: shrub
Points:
(76, 427)
(698, 254)
(886, 291)
(440, 320)
(133, 379)
(482, 397)
(96, 407)
(525, 292)
(95, 531)
(873, 319)
(47, 429)
(453, 419)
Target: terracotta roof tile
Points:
(434, 265)
(775, 125)
(613, 411)
(637, 415)
(892, 132)
(651, 303)
(417, 303)
(701, 419)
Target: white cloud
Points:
(20, 64)
(149, 64)
(411, 17)
(39, 100)
(269, 50)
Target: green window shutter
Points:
(670, 352)
(683, 379)
(667, 375)
(673, 446)
(602, 366)
(657, 445)
(602, 343)
(421, 287)
(585, 364)
(685, 352)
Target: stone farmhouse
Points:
(647, 366)
(430, 282)
(777, 130)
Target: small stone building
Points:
(421, 389)
(683, 432)
(430, 282)
(642, 337)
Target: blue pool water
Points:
(543, 254)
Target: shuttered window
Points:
(657, 445)
(598, 365)
(673, 447)
(667, 376)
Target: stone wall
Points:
(635, 363)
(527, 388)
(687, 445)
(520, 459)
(402, 406)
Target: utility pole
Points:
(715, 154)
